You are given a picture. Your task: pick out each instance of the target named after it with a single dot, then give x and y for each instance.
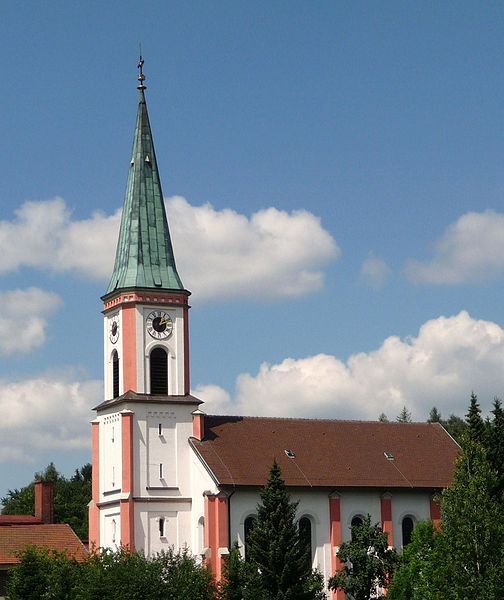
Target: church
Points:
(167, 474)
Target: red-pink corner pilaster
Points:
(129, 348)
(127, 505)
(94, 511)
(187, 374)
(216, 532)
(386, 516)
(435, 511)
(336, 538)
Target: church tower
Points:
(140, 461)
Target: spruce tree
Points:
(434, 416)
(276, 550)
(404, 416)
(476, 425)
(496, 445)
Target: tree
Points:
(383, 418)
(404, 416)
(434, 416)
(456, 427)
(496, 445)
(420, 574)
(476, 425)
(473, 528)
(368, 562)
(71, 498)
(50, 575)
(276, 550)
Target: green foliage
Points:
(456, 427)
(404, 416)
(496, 445)
(45, 575)
(473, 528)
(383, 418)
(475, 425)
(71, 497)
(420, 575)
(367, 562)
(434, 416)
(276, 550)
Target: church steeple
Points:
(144, 256)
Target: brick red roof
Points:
(328, 453)
(19, 520)
(14, 538)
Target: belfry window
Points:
(159, 371)
(115, 374)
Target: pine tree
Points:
(476, 425)
(455, 426)
(434, 416)
(404, 416)
(276, 550)
(383, 418)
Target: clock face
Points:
(114, 329)
(159, 324)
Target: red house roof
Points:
(14, 538)
(327, 453)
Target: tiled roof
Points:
(59, 537)
(144, 255)
(131, 396)
(19, 520)
(327, 453)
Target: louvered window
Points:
(159, 371)
(115, 374)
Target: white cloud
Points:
(450, 357)
(470, 250)
(45, 414)
(375, 271)
(271, 254)
(219, 252)
(23, 320)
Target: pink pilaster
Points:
(216, 532)
(336, 538)
(386, 517)
(187, 376)
(129, 348)
(435, 512)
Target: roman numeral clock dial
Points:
(159, 324)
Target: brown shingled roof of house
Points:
(327, 453)
(13, 538)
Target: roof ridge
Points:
(319, 419)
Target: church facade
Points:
(166, 474)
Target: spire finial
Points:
(141, 76)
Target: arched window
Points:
(407, 529)
(201, 535)
(115, 374)
(159, 371)
(356, 521)
(248, 525)
(305, 537)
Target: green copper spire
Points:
(144, 255)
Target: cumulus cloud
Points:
(23, 320)
(448, 358)
(45, 414)
(375, 272)
(270, 254)
(470, 250)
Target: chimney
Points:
(198, 424)
(44, 501)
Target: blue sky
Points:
(334, 183)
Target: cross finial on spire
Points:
(141, 76)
